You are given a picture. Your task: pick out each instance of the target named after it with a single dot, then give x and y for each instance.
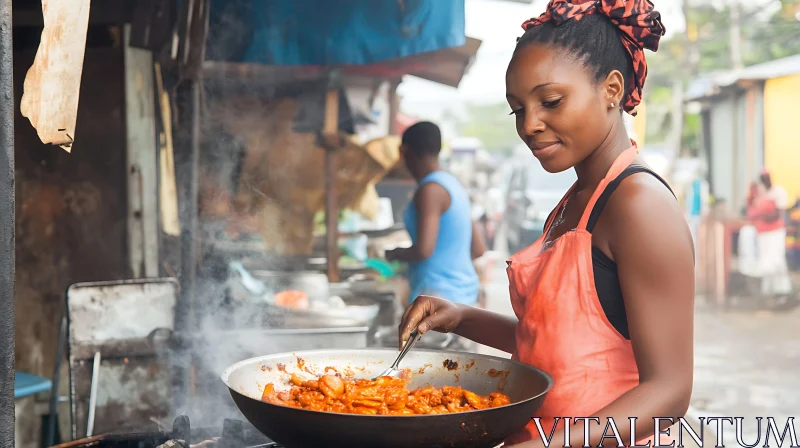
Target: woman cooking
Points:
(604, 300)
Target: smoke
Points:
(239, 128)
(259, 161)
(222, 332)
(219, 343)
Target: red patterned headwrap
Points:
(639, 22)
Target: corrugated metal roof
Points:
(699, 88)
(710, 85)
(768, 70)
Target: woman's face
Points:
(562, 114)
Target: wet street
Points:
(747, 363)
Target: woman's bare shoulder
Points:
(644, 210)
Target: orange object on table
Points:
(292, 299)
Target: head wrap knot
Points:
(639, 22)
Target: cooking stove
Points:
(233, 434)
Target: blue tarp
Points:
(331, 32)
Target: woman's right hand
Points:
(429, 313)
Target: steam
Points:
(256, 142)
(224, 332)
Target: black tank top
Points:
(606, 279)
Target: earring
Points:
(612, 105)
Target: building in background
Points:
(749, 123)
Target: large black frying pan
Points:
(300, 428)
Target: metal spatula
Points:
(394, 370)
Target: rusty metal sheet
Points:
(117, 319)
(53, 82)
(131, 395)
(107, 311)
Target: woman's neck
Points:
(594, 168)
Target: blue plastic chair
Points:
(25, 384)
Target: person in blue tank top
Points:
(439, 222)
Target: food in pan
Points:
(384, 396)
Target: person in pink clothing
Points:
(766, 211)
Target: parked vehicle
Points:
(532, 194)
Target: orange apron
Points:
(562, 327)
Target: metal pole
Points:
(190, 98)
(193, 32)
(331, 217)
(6, 228)
(185, 316)
(62, 341)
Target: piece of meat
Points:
(331, 386)
(268, 390)
(475, 401)
(297, 381)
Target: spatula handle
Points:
(412, 339)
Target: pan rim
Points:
(225, 376)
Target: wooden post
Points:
(331, 136)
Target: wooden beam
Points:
(331, 133)
(102, 12)
(193, 31)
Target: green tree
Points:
(491, 124)
(763, 39)
(776, 38)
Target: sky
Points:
(498, 24)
